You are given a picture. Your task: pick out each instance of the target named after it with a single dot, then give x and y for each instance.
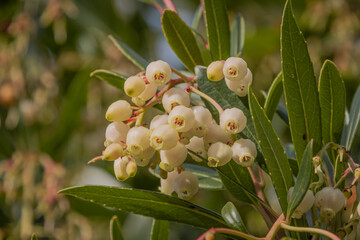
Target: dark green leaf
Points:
(197, 17)
(160, 230)
(273, 152)
(227, 99)
(273, 97)
(70, 112)
(6, 144)
(302, 100)
(237, 36)
(294, 166)
(302, 182)
(233, 218)
(33, 237)
(205, 53)
(113, 78)
(115, 229)
(208, 178)
(133, 56)
(332, 97)
(181, 40)
(148, 203)
(217, 28)
(351, 128)
(282, 112)
(238, 182)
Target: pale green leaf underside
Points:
(115, 229)
(300, 89)
(217, 29)
(273, 152)
(181, 40)
(273, 97)
(302, 181)
(148, 203)
(130, 54)
(237, 36)
(115, 79)
(233, 218)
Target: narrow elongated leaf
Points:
(227, 99)
(238, 182)
(273, 97)
(294, 166)
(181, 40)
(208, 178)
(273, 152)
(332, 96)
(237, 36)
(283, 114)
(205, 53)
(217, 28)
(115, 79)
(160, 230)
(148, 203)
(130, 54)
(351, 128)
(233, 218)
(115, 229)
(302, 182)
(299, 86)
(197, 17)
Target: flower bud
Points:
(233, 120)
(197, 145)
(181, 118)
(144, 158)
(244, 152)
(149, 92)
(235, 68)
(113, 152)
(137, 140)
(186, 185)
(158, 120)
(216, 134)
(329, 201)
(138, 101)
(174, 97)
(116, 133)
(158, 72)
(131, 168)
(173, 157)
(305, 205)
(164, 137)
(119, 111)
(203, 120)
(133, 86)
(237, 87)
(120, 168)
(166, 185)
(219, 154)
(215, 71)
(186, 136)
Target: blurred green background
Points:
(52, 113)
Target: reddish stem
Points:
(170, 5)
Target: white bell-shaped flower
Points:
(219, 154)
(119, 111)
(233, 120)
(181, 118)
(137, 140)
(186, 185)
(158, 72)
(164, 137)
(175, 97)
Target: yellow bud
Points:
(112, 152)
(215, 71)
(131, 169)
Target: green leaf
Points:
(351, 128)
(208, 178)
(71, 108)
(181, 40)
(273, 97)
(160, 230)
(237, 36)
(273, 152)
(197, 17)
(205, 53)
(7, 146)
(233, 218)
(33, 237)
(332, 97)
(217, 28)
(294, 166)
(300, 88)
(115, 229)
(113, 78)
(238, 182)
(302, 182)
(130, 54)
(227, 99)
(148, 203)
(282, 112)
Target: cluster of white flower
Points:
(237, 75)
(183, 129)
(328, 200)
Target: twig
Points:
(170, 5)
(310, 230)
(208, 98)
(229, 231)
